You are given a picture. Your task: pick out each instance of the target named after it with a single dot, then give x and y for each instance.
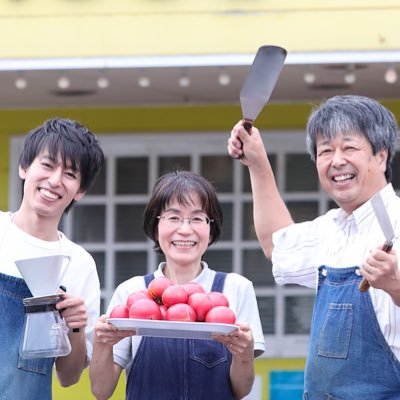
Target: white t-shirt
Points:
(341, 241)
(79, 276)
(238, 289)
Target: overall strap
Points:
(218, 284)
(148, 278)
(219, 281)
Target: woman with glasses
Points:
(183, 217)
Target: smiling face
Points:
(348, 170)
(49, 187)
(183, 243)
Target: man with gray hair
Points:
(354, 347)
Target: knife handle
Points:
(364, 284)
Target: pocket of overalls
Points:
(42, 366)
(208, 352)
(334, 340)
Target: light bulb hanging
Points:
(21, 83)
(391, 76)
(63, 82)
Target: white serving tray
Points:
(172, 329)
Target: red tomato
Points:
(163, 310)
(120, 311)
(221, 314)
(181, 312)
(141, 294)
(193, 287)
(218, 299)
(174, 294)
(157, 286)
(145, 309)
(201, 304)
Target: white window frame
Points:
(194, 144)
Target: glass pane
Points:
(298, 312)
(219, 171)
(219, 260)
(160, 259)
(266, 307)
(129, 264)
(246, 175)
(168, 164)
(131, 175)
(129, 223)
(100, 259)
(332, 204)
(303, 210)
(301, 174)
(249, 231)
(257, 268)
(226, 231)
(88, 223)
(396, 171)
(99, 185)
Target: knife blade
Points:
(260, 82)
(384, 222)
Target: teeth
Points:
(183, 244)
(49, 194)
(341, 178)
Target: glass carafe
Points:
(45, 333)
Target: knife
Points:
(387, 229)
(260, 82)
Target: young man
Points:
(354, 348)
(58, 163)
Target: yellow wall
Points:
(81, 391)
(163, 119)
(59, 28)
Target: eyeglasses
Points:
(175, 220)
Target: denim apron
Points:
(348, 358)
(20, 379)
(181, 369)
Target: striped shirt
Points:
(341, 241)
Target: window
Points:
(108, 221)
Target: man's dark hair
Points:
(74, 142)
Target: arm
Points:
(241, 344)
(69, 368)
(104, 373)
(270, 211)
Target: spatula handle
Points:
(247, 124)
(364, 284)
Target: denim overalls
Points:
(19, 379)
(348, 358)
(181, 369)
